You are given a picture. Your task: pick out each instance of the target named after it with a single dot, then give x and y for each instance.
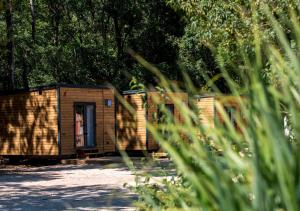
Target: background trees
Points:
(85, 42)
(227, 30)
(250, 159)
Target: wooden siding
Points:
(206, 108)
(152, 109)
(29, 123)
(109, 122)
(230, 102)
(105, 117)
(132, 127)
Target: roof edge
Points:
(55, 86)
(131, 92)
(199, 96)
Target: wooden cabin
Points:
(207, 108)
(57, 120)
(132, 133)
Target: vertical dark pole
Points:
(59, 121)
(103, 104)
(85, 125)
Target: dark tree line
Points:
(85, 42)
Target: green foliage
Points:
(225, 28)
(197, 60)
(223, 168)
(135, 85)
(85, 42)
(162, 196)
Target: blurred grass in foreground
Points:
(258, 167)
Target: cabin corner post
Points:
(147, 118)
(103, 118)
(58, 121)
(215, 111)
(116, 121)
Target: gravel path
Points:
(66, 187)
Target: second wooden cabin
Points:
(208, 112)
(132, 133)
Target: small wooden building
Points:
(132, 133)
(207, 108)
(57, 120)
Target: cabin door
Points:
(84, 125)
(162, 118)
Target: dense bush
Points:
(254, 168)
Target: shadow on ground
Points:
(61, 198)
(97, 186)
(61, 187)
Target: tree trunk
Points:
(32, 11)
(10, 45)
(55, 9)
(27, 66)
(25, 71)
(118, 38)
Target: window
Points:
(161, 117)
(165, 115)
(232, 114)
(108, 102)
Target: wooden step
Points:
(159, 155)
(88, 150)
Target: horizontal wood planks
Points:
(29, 120)
(132, 126)
(230, 102)
(105, 117)
(206, 108)
(109, 122)
(29, 123)
(208, 112)
(153, 100)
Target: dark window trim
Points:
(59, 121)
(147, 119)
(232, 111)
(116, 111)
(106, 100)
(166, 105)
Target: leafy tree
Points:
(10, 46)
(226, 28)
(85, 42)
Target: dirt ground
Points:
(97, 186)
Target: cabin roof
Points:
(204, 96)
(54, 86)
(131, 92)
(215, 95)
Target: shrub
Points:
(254, 168)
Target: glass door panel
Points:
(84, 125)
(90, 126)
(79, 126)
